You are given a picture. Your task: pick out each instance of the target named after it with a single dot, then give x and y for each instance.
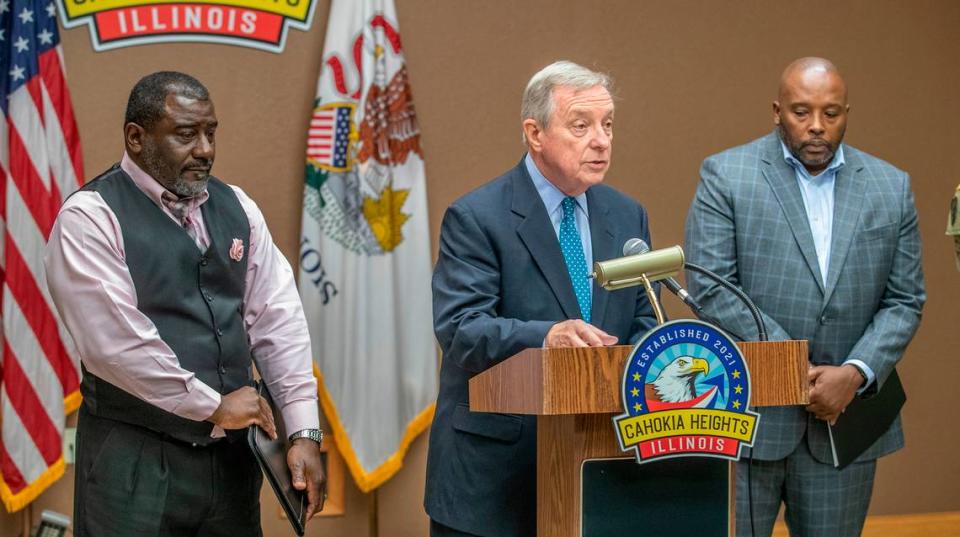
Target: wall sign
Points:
(260, 24)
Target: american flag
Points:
(40, 164)
(328, 139)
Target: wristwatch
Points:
(313, 434)
(862, 373)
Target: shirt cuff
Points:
(200, 402)
(301, 415)
(871, 377)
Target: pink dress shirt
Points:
(92, 289)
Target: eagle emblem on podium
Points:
(686, 392)
(676, 386)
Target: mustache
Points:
(200, 164)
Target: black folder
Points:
(272, 456)
(865, 420)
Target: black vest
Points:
(194, 298)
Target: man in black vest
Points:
(171, 286)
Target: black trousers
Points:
(135, 482)
(439, 530)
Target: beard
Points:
(172, 177)
(185, 188)
(797, 147)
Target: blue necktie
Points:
(572, 250)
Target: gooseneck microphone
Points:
(640, 246)
(640, 264)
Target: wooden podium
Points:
(576, 391)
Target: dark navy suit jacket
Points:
(499, 285)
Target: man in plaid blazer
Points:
(823, 237)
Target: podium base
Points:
(683, 496)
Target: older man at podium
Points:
(513, 273)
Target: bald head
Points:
(811, 111)
(808, 71)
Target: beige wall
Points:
(694, 77)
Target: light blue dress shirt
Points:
(552, 198)
(817, 193)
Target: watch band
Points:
(862, 373)
(313, 434)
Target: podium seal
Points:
(686, 393)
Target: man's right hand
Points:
(242, 408)
(576, 333)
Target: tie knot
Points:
(179, 208)
(569, 204)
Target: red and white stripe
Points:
(320, 134)
(40, 164)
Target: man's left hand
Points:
(303, 458)
(831, 390)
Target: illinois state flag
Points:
(40, 165)
(365, 247)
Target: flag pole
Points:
(374, 518)
(27, 515)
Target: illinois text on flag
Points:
(40, 164)
(365, 249)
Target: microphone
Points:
(631, 270)
(640, 246)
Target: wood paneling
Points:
(563, 442)
(778, 372)
(575, 393)
(588, 380)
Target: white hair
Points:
(538, 97)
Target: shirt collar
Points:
(837, 163)
(152, 188)
(551, 195)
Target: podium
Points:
(574, 392)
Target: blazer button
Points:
(203, 261)
(209, 298)
(223, 370)
(824, 320)
(219, 332)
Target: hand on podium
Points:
(576, 333)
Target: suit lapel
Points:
(783, 181)
(847, 202)
(537, 235)
(602, 237)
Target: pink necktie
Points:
(181, 210)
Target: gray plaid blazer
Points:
(748, 223)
